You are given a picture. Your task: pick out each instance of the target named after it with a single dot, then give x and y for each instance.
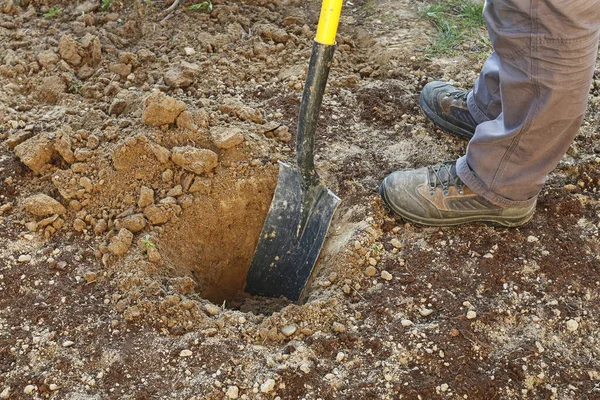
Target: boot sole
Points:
(491, 220)
(442, 123)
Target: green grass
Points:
(105, 5)
(459, 24)
(205, 6)
(53, 12)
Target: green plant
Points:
(457, 22)
(53, 12)
(75, 86)
(105, 5)
(205, 6)
(147, 241)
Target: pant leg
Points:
(547, 52)
(484, 101)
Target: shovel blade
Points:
(286, 253)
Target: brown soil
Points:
(159, 144)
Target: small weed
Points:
(53, 12)
(205, 6)
(75, 86)
(376, 249)
(458, 22)
(105, 5)
(147, 243)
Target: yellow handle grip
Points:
(328, 22)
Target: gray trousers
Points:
(531, 96)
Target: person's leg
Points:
(546, 51)
(484, 101)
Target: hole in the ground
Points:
(215, 237)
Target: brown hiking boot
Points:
(446, 106)
(436, 196)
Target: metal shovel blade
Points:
(285, 255)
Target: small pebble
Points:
(337, 327)
(185, 353)
(340, 357)
(5, 394)
(444, 387)
(372, 261)
(68, 343)
(386, 275)
(532, 239)
(289, 330)
(53, 387)
(406, 322)
(370, 271)
(471, 314)
(29, 389)
(396, 243)
(212, 309)
(425, 312)
(232, 392)
(572, 325)
(454, 332)
(268, 386)
(24, 258)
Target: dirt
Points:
(138, 159)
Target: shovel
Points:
(302, 206)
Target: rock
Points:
(120, 69)
(572, 325)
(48, 58)
(160, 214)
(189, 51)
(186, 121)
(386, 275)
(79, 224)
(5, 394)
(226, 138)
(471, 314)
(93, 49)
(232, 392)
(17, 138)
(69, 50)
(25, 258)
(120, 243)
(62, 144)
(162, 154)
(175, 191)
(425, 312)
(42, 205)
(53, 387)
(185, 353)
(184, 285)
(124, 103)
(337, 327)
(178, 78)
(212, 309)
(198, 161)
(201, 185)
(272, 32)
(532, 239)
(396, 243)
(161, 109)
(153, 255)
(68, 343)
(289, 330)
(50, 90)
(268, 386)
(133, 223)
(406, 323)
(145, 55)
(35, 152)
(100, 227)
(370, 271)
(29, 389)
(283, 134)
(90, 276)
(146, 197)
(340, 357)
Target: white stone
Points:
(406, 322)
(289, 330)
(532, 239)
(53, 387)
(68, 343)
(444, 387)
(212, 309)
(396, 243)
(29, 389)
(471, 314)
(185, 353)
(268, 386)
(189, 51)
(386, 275)
(572, 325)
(5, 394)
(232, 392)
(340, 357)
(24, 258)
(425, 312)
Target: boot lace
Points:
(444, 175)
(462, 94)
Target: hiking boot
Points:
(446, 106)
(436, 196)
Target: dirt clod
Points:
(42, 205)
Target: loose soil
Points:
(155, 145)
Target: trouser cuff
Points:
(474, 109)
(473, 182)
